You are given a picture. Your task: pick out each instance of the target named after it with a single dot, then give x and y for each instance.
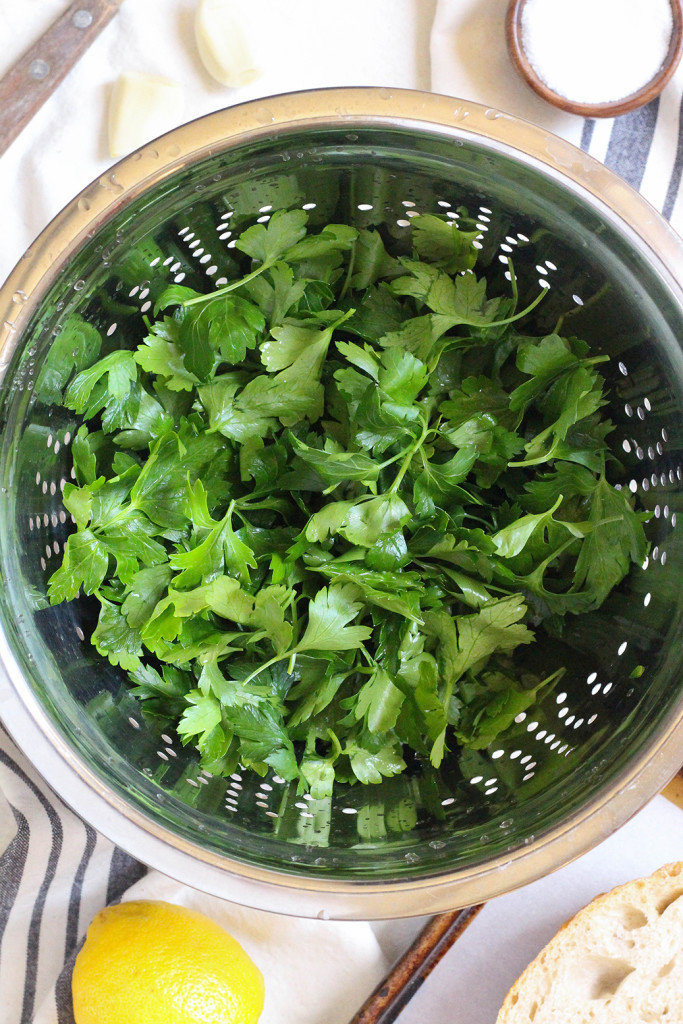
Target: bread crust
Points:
(619, 960)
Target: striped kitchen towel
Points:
(55, 874)
(469, 59)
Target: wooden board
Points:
(674, 791)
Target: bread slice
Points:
(618, 961)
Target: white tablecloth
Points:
(57, 872)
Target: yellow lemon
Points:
(151, 962)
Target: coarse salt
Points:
(596, 51)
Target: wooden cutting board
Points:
(674, 791)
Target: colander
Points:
(565, 775)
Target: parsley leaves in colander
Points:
(324, 506)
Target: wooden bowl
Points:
(650, 91)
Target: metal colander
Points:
(566, 774)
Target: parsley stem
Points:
(516, 316)
(227, 287)
(267, 664)
(349, 270)
(289, 655)
(594, 359)
(405, 465)
(394, 458)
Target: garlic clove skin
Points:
(141, 107)
(223, 45)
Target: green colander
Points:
(566, 774)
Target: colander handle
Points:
(36, 74)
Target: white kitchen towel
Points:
(469, 59)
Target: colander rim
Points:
(27, 721)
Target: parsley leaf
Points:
(329, 613)
(616, 541)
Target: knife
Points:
(36, 74)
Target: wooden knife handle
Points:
(393, 993)
(36, 74)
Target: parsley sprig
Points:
(323, 507)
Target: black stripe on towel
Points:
(587, 133)
(630, 142)
(37, 915)
(12, 864)
(63, 984)
(63, 993)
(77, 888)
(123, 873)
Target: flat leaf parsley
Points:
(324, 508)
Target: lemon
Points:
(152, 962)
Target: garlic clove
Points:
(141, 107)
(222, 43)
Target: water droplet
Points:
(491, 114)
(110, 183)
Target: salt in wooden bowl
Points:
(612, 108)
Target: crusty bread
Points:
(618, 961)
